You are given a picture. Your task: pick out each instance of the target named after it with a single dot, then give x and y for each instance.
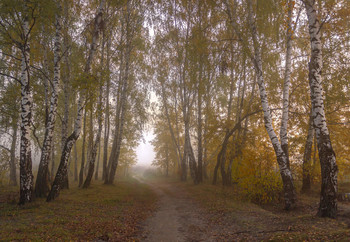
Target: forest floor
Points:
(99, 213)
(177, 217)
(164, 210)
(212, 213)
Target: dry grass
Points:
(235, 217)
(102, 211)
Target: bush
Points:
(262, 188)
(258, 177)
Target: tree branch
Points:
(5, 148)
(35, 136)
(12, 77)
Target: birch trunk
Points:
(42, 185)
(167, 160)
(114, 156)
(185, 157)
(282, 159)
(221, 158)
(206, 127)
(82, 165)
(199, 132)
(94, 148)
(62, 169)
(66, 78)
(239, 109)
(287, 74)
(90, 141)
(307, 157)
(75, 163)
(106, 135)
(26, 176)
(175, 144)
(118, 108)
(66, 86)
(98, 160)
(99, 132)
(52, 164)
(13, 176)
(190, 153)
(63, 166)
(107, 121)
(329, 169)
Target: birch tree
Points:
(329, 169)
(307, 157)
(129, 86)
(25, 160)
(282, 159)
(42, 180)
(62, 169)
(107, 111)
(99, 131)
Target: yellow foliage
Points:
(258, 176)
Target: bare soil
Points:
(177, 217)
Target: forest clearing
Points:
(179, 120)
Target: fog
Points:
(145, 152)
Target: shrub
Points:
(258, 177)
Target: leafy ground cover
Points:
(232, 217)
(105, 212)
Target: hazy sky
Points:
(145, 152)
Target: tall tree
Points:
(42, 181)
(307, 157)
(282, 159)
(62, 169)
(25, 160)
(82, 163)
(329, 169)
(96, 143)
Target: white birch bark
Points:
(62, 169)
(63, 166)
(107, 120)
(287, 74)
(66, 84)
(329, 169)
(93, 154)
(287, 178)
(42, 181)
(26, 176)
(82, 163)
(118, 109)
(66, 78)
(307, 157)
(114, 156)
(99, 132)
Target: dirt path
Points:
(177, 218)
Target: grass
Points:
(100, 212)
(239, 217)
